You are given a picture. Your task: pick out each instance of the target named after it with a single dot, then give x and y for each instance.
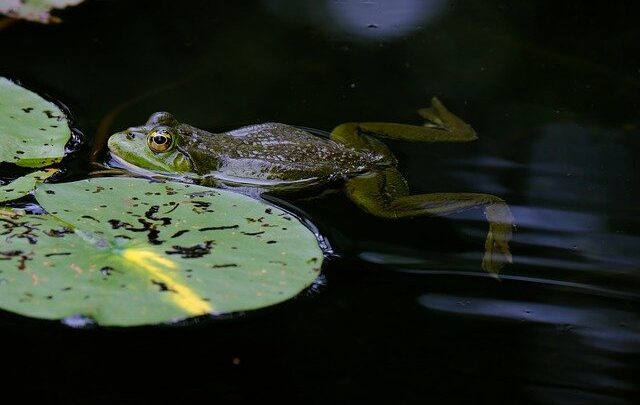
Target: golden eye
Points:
(160, 140)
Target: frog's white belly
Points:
(267, 174)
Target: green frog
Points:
(275, 157)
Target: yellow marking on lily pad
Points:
(157, 265)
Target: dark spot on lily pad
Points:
(106, 271)
(182, 232)
(10, 253)
(172, 209)
(150, 214)
(201, 206)
(21, 262)
(221, 266)
(191, 252)
(253, 233)
(218, 228)
(58, 254)
(90, 217)
(162, 286)
(58, 233)
(147, 226)
(50, 114)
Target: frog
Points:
(278, 158)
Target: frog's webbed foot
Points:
(496, 246)
(439, 117)
(385, 194)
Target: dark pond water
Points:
(406, 315)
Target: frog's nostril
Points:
(130, 136)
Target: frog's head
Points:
(154, 146)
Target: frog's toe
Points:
(496, 254)
(439, 118)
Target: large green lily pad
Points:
(33, 131)
(34, 10)
(126, 251)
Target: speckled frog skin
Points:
(275, 157)
(270, 156)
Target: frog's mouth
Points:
(117, 162)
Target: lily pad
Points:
(23, 185)
(33, 131)
(125, 251)
(35, 10)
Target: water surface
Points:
(405, 314)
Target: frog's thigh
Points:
(385, 194)
(349, 134)
(443, 126)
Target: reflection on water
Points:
(576, 189)
(363, 19)
(390, 18)
(612, 330)
(587, 338)
(406, 314)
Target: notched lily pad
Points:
(35, 10)
(23, 185)
(125, 251)
(33, 131)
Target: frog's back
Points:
(280, 155)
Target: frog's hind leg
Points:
(384, 193)
(442, 126)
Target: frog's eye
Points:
(160, 140)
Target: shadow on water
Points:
(404, 313)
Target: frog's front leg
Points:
(442, 126)
(384, 193)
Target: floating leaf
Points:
(35, 10)
(23, 185)
(126, 251)
(33, 131)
